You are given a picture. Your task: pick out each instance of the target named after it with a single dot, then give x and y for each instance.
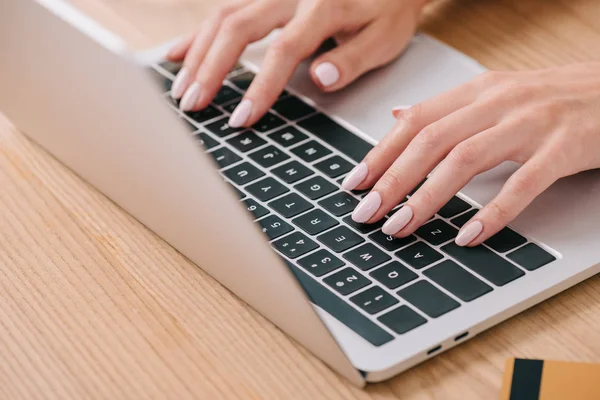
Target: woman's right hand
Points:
(371, 33)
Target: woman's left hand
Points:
(548, 121)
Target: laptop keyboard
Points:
(287, 171)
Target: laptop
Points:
(262, 209)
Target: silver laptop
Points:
(262, 210)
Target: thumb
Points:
(368, 49)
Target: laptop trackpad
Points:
(426, 69)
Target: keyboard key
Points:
(367, 257)
(189, 125)
(464, 218)
(531, 257)
(293, 108)
(205, 140)
(394, 275)
(457, 281)
(292, 172)
(243, 80)
(437, 232)
(364, 228)
(347, 281)
(315, 222)
(485, 263)
(374, 300)
(225, 157)
(288, 136)
(268, 122)
(295, 245)
(311, 151)
(221, 128)
(243, 173)
(204, 115)
(505, 240)
(246, 141)
(402, 320)
(454, 207)
(266, 189)
(269, 156)
(391, 243)
(237, 191)
(315, 188)
(334, 166)
(256, 209)
(339, 204)
(320, 263)
(226, 94)
(290, 205)
(428, 299)
(341, 310)
(340, 239)
(419, 255)
(274, 227)
(230, 107)
(337, 136)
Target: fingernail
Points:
(469, 233)
(400, 108)
(241, 114)
(355, 177)
(327, 73)
(365, 210)
(190, 98)
(398, 221)
(180, 83)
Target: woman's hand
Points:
(371, 32)
(548, 121)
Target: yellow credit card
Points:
(550, 380)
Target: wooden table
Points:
(93, 305)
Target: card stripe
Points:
(526, 379)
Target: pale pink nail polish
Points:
(180, 83)
(365, 210)
(468, 233)
(355, 177)
(241, 114)
(398, 221)
(400, 108)
(327, 73)
(190, 98)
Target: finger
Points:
(423, 153)
(199, 46)
(237, 31)
(410, 122)
(520, 190)
(367, 50)
(301, 38)
(178, 52)
(471, 157)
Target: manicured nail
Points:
(355, 177)
(180, 83)
(398, 221)
(327, 73)
(241, 114)
(400, 108)
(365, 210)
(469, 233)
(190, 98)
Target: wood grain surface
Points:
(95, 306)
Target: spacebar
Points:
(342, 311)
(336, 135)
